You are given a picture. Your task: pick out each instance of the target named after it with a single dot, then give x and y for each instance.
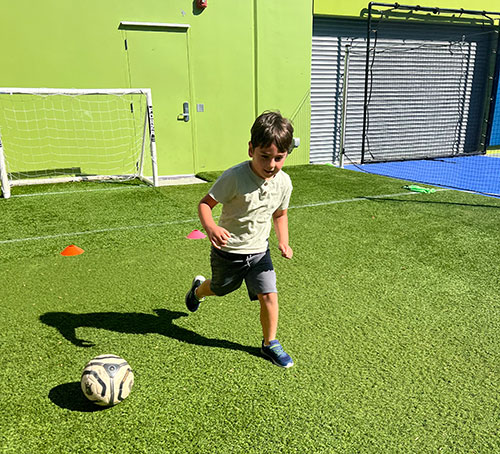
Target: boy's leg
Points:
(204, 290)
(228, 272)
(192, 301)
(269, 311)
(271, 348)
(199, 289)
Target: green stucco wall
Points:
(242, 57)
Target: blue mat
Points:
(469, 173)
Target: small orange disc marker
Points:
(72, 250)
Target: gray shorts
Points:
(229, 270)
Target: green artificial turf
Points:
(390, 309)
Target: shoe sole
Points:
(270, 358)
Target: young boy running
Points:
(252, 193)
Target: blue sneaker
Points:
(274, 351)
(192, 302)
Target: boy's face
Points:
(266, 162)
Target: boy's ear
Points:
(250, 149)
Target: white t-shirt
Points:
(248, 206)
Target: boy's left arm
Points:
(280, 220)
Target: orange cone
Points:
(72, 250)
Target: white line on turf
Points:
(357, 199)
(186, 221)
(90, 232)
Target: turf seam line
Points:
(162, 224)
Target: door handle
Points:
(184, 116)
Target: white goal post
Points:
(50, 135)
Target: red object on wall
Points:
(202, 4)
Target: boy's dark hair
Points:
(270, 128)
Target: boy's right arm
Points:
(218, 235)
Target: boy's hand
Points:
(218, 236)
(286, 251)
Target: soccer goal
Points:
(64, 135)
(421, 108)
(428, 85)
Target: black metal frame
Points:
(486, 129)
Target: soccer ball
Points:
(107, 380)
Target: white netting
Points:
(73, 134)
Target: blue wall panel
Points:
(495, 126)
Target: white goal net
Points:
(53, 135)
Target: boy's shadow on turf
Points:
(69, 395)
(135, 323)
